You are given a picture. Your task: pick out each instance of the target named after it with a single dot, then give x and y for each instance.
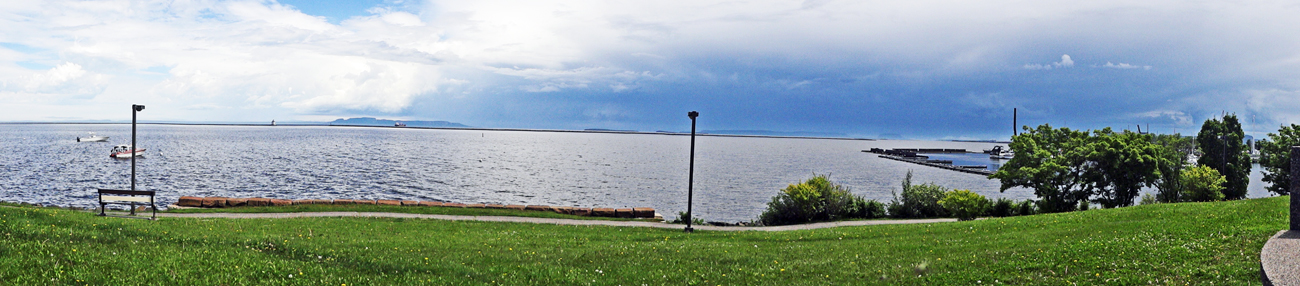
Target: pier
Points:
(912, 156)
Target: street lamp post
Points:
(690, 178)
(135, 108)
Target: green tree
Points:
(1117, 166)
(1222, 149)
(1275, 157)
(1202, 184)
(1174, 152)
(1048, 161)
(965, 204)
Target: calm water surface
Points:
(734, 177)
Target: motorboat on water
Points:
(996, 150)
(999, 153)
(125, 151)
(92, 138)
(1004, 155)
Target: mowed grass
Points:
(394, 209)
(1165, 244)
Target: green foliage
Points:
(1202, 184)
(1065, 166)
(918, 201)
(965, 204)
(1003, 207)
(1172, 160)
(1222, 149)
(1046, 161)
(683, 217)
(1083, 205)
(1118, 165)
(817, 199)
(1027, 207)
(1148, 199)
(864, 208)
(1275, 158)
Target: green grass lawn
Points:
(1165, 244)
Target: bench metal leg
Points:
(101, 209)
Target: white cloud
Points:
(1178, 118)
(1274, 107)
(259, 57)
(1125, 66)
(64, 81)
(1064, 63)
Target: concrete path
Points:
(1280, 259)
(553, 220)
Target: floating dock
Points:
(912, 155)
(982, 170)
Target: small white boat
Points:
(996, 150)
(92, 138)
(1004, 155)
(124, 152)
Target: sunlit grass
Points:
(1195, 243)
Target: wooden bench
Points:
(125, 197)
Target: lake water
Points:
(734, 177)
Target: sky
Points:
(920, 69)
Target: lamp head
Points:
(693, 114)
(137, 107)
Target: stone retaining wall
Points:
(222, 202)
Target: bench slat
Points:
(126, 199)
(126, 192)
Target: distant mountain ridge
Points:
(762, 133)
(371, 121)
(774, 133)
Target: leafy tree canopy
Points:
(1066, 166)
(1275, 158)
(1222, 149)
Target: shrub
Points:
(964, 204)
(795, 204)
(1003, 207)
(836, 201)
(1026, 207)
(1148, 199)
(1202, 184)
(682, 217)
(918, 201)
(817, 199)
(864, 208)
(1083, 205)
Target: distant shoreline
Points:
(447, 128)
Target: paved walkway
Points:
(553, 220)
(1280, 259)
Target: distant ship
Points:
(399, 124)
(92, 138)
